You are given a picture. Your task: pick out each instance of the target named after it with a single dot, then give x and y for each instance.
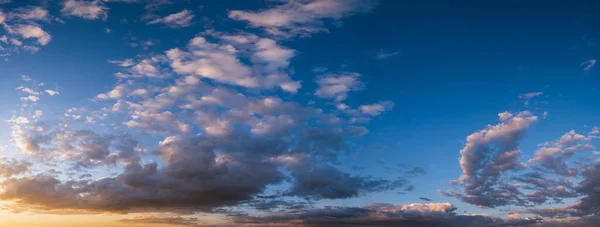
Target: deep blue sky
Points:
(449, 68)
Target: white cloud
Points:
(90, 10)
(382, 55)
(125, 63)
(29, 13)
(33, 31)
(31, 98)
(337, 86)
(588, 65)
(52, 92)
(302, 17)
(376, 109)
(528, 96)
(595, 130)
(176, 20)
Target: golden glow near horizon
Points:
(8, 219)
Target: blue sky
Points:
(431, 111)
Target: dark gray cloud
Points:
(385, 215)
(11, 167)
(487, 156)
(325, 181)
(162, 219)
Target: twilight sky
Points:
(310, 113)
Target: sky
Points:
(311, 113)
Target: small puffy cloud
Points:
(29, 13)
(52, 92)
(302, 17)
(33, 31)
(595, 130)
(176, 20)
(11, 167)
(377, 108)
(337, 86)
(588, 65)
(86, 9)
(31, 98)
(553, 155)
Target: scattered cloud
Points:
(588, 65)
(301, 18)
(176, 20)
(528, 96)
(382, 55)
(86, 9)
(162, 219)
(487, 155)
(337, 86)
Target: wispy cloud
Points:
(588, 65)
(176, 20)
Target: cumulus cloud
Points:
(11, 167)
(376, 109)
(86, 9)
(29, 13)
(176, 20)
(337, 86)
(33, 31)
(220, 146)
(553, 155)
(487, 155)
(21, 25)
(223, 63)
(302, 17)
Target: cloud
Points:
(337, 86)
(161, 219)
(376, 109)
(223, 62)
(425, 199)
(553, 155)
(29, 13)
(302, 17)
(86, 9)
(314, 181)
(414, 214)
(9, 168)
(52, 92)
(32, 31)
(176, 20)
(21, 25)
(487, 155)
(528, 96)
(588, 65)
(382, 55)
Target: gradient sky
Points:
(299, 113)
